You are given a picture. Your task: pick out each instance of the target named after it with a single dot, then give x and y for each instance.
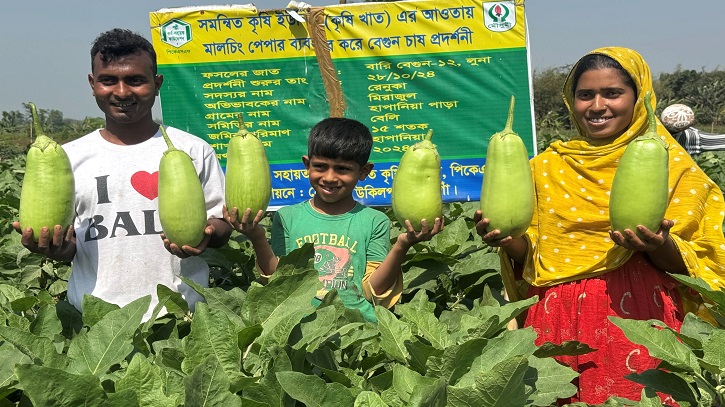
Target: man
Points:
(114, 243)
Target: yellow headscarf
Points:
(569, 234)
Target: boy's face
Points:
(334, 180)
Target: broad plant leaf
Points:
(109, 341)
(369, 399)
(9, 357)
(46, 386)
(571, 348)
(393, 334)
(668, 383)
(94, 309)
(456, 360)
(145, 380)
(208, 385)
(714, 351)
(699, 285)
(269, 391)
(509, 345)
(419, 313)
(550, 381)
(229, 301)
(501, 386)
(661, 343)
(406, 381)
(313, 391)
(40, 350)
(46, 323)
(213, 335)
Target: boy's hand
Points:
(188, 251)
(650, 240)
(56, 245)
(246, 226)
(411, 237)
(492, 238)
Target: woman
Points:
(582, 271)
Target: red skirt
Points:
(578, 311)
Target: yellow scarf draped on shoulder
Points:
(569, 234)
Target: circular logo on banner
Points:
(499, 17)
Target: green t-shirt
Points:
(343, 245)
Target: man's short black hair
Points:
(340, 138)
(118, 43)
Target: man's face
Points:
(125, 89)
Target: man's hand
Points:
(56, 245)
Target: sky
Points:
(45, 44)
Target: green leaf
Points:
(46, 386)
(70, 318)
(8, 294)
(456, 361)
(550, 381)
(145, 380)
(698, 284)
(40, 350)
(419, 313)
(714, 351)
(393, 334)
(406, 381)
(208, 385)
(667, 383)
(109, 341)
(506, 347)
(46, 322)
(313, 391)
(280, 305)
(649, 398)
(23, 304)
(269, 391)
(298, 259)
(661, 343)
(450, 238)
(695, 329)
(94, 309)
(174, 302)
(230, 302)
(430, 395)
(420, 352)
(246, 336)
(316, 327)
(213, 335)
(571, 348)
(369, 399)
(501, 386)
(124, 398)
(9, 357)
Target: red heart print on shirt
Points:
(146, 184)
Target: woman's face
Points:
(603, 103)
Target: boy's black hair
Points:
(340, 138)
(601, 61)
(118, 43)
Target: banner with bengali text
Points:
(401, 68)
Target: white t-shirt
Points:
(120, 256)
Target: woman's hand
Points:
(649, 241)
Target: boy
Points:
(352, 241)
